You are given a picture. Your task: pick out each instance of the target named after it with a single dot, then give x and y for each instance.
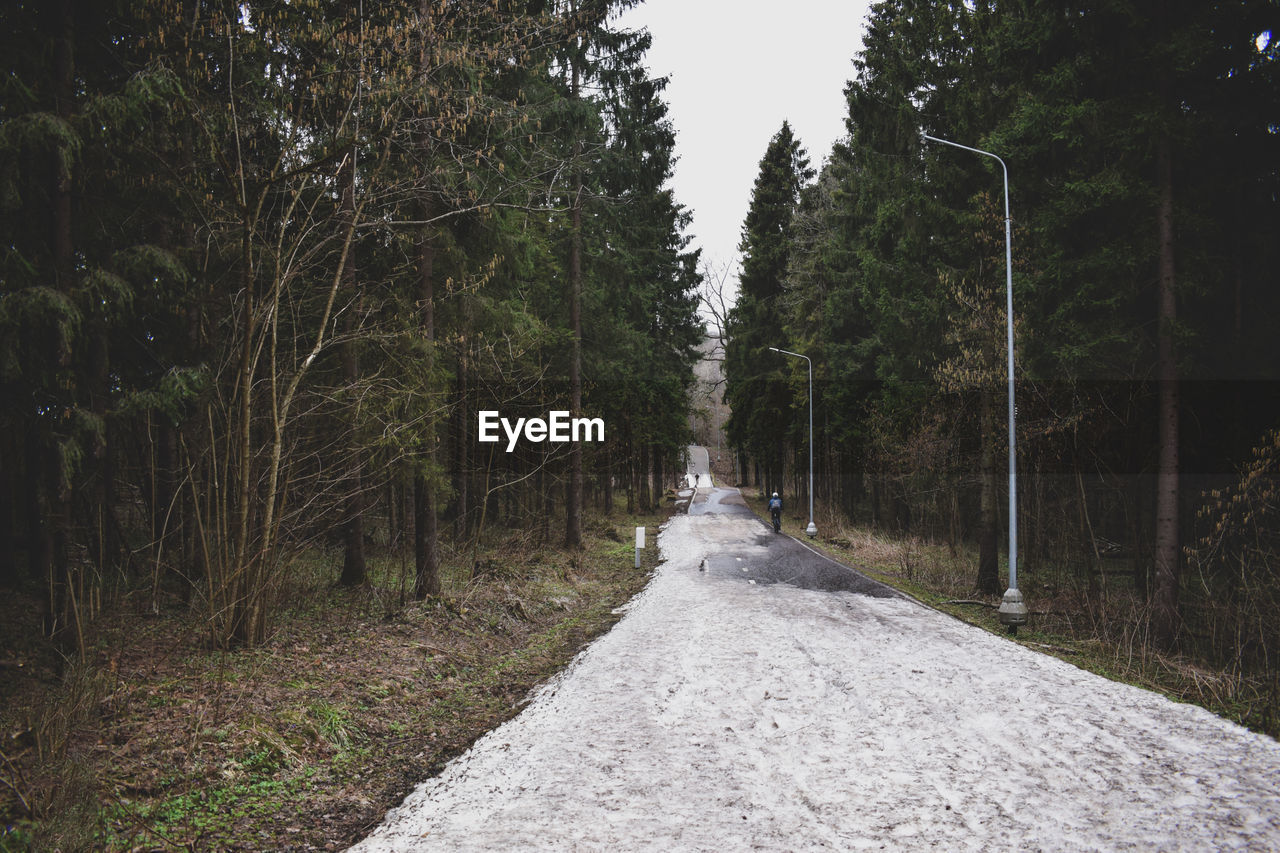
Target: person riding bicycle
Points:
(775, 512)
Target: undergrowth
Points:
(159, 741)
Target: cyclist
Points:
(775, 512)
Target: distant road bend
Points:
(757, 696)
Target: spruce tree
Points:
(755, 392)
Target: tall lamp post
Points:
(1013, 611)
(812, 529)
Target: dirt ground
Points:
(157, 741)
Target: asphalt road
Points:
(776, 557)
(770, 557)
(699, 468)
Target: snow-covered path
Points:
(722, 715)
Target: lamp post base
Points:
(1013, 612)
(812, 530)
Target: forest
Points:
(268, 260)
(1141, 142)
(265, 262)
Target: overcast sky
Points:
(737, 70)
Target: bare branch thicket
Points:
(717, 293)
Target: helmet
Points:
(775, 494)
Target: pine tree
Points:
(644, 324)
(754, 391)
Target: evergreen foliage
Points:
(266, 263)
(1140, 140)
(755, 390)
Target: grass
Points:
(164, 743)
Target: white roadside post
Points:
(639, 544)
(1013, 611)
(812, 529)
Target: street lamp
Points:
(812, 529)
(1013, 612)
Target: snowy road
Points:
(723, 714)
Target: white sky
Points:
(737, 70)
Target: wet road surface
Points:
(776, 557)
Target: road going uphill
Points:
(757, 696)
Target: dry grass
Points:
(907, 560)
(162, 742)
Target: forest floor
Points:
(157, 741)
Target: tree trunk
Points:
(1165, 594)
(104, 546)
(64, 95)
(426, 551)
(51, 551)
(191, 557)
(461, 453)
(239, 576)
(9, 478)
(659, 486)
(608, 482)
(354, 569)
(544, 494)
(642, 471)
(629, 467)
(573, 502)
(988, 534)
(39, 539)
